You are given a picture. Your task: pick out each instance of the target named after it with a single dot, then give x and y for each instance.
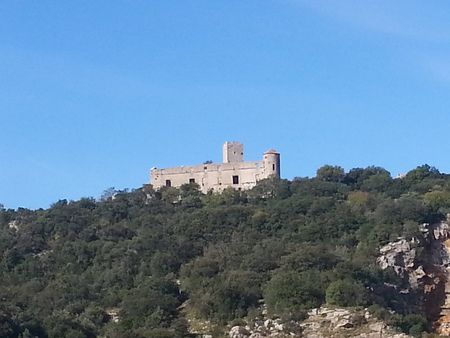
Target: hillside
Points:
(149, 263)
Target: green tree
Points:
(289, 291)
(421, 172)
(330, 173)
(346, 293)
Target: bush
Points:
(413, 324)
(346, 293)
(292, 292)
(379, 312)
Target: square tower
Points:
(233, 152)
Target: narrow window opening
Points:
(273, 166)
(257, 165)
(168, 183)
(192, 180)
(235, 179)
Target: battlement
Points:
(233, 172)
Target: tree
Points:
(438, 200)
(380, 182)
(422, 172)
(309, 257)
(346, 293)
(271, 187)
(190, 195)
(288, 291)
(357, 176)
(330, 173)
(108, 194)
(170, 194)
(361, 201)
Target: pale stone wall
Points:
(233, 152)
(218, 176)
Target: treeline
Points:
(139, 263)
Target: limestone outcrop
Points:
(321, 323)
(423, 266)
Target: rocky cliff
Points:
(422, 265)
(422, 268)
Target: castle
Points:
(233, 172)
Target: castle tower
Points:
(271, 160)
(233, 152)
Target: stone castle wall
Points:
(218, 176)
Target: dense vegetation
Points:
(151, 257)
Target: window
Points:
(168, 183)
(235, 179)
(192, 180)
(273, 166)
(257, 165)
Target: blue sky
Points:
(95, 93)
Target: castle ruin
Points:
(233, 172)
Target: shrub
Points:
(346, 293)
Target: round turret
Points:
(271, 161)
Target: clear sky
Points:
(95, 93)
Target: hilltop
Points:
(149, 263)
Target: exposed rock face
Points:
(401, 256)
(321, 323)
(113, 315)
(265, 328)
(14, 225)
(324, 322)
(425, 277)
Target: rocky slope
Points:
(321, 323)
(422, 265)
